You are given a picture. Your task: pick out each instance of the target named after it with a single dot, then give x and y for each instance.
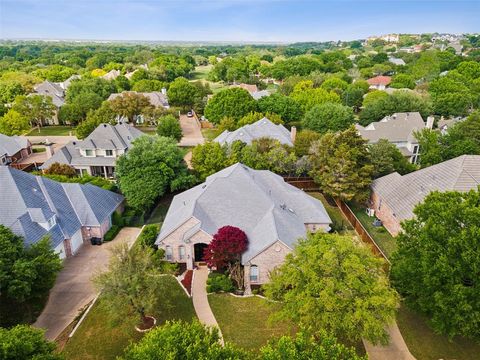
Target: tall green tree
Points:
(26, 343)
(308, 96)
(233, 102)
(288, 109)
(330, 283)
(169, 126)
(130, 104)
(437, 263)
(186, 341)
(13, 123)
(153, 166)
(26, 275)
(183, 93)
(328, 117)
(341, 165)
(386, 158)
(37, 108)
(103, 115)
(209, 158)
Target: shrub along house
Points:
(70, 214)
(272, 213)
(96, 154)
(395, 196)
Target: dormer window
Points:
(51, 222)
(89, 152)
(108, 152)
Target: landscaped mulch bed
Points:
(187, 281)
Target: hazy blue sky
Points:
(232, 20)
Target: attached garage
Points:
(76, 241)
(60, 250)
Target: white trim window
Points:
(109, 153)
(89, 153)
(254, 273)
(51, 222)
(181, 252)
(168, 252)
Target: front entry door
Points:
(198, 250)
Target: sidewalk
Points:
(395, 350)
(200, 299)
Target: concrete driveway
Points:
(73, 288)
(61, 140)
(192, 133)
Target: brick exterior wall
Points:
(266, 261)
(384, 213)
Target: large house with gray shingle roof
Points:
(263, 128)
(399, 129)
(272, 213)
(394, 196)
(96, 154)
(70, 214)
(13, 149)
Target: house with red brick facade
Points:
(13, 149)
(395, 196)
(272, 213)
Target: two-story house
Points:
(96, 154)
(398, 129)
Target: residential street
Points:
(73, 288)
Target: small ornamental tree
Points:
(225, 251)
(61, 169)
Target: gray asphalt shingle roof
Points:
(105, 137)
(259, 202)
(402, 193)
(10, 145)
(157, 98)
(28, 200)
(260, 129)
(398, 127)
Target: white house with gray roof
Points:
(70, 214)
(394, 196)
(96, 155)
(272, 213)
(13, 149)
(398, 129)
(263, 128)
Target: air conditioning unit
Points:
(370, 212)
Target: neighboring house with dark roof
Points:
(272, 213)
(379, 82)
(445, 124)
(398, 129)
(97, 154)
(56, 91)
(70, 214)
(260, 129)
(395, 196)
(13, 149)
(396, 61)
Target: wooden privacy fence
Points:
(357, 225)
(303, 183)
(25, 167)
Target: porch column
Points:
(246, 280)
(105, 172)
(189, 256)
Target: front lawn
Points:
(382, 237)
(245, 321)
(201, 72)
(99, 337)
(210, 134)
(424, 344)
(52, 131)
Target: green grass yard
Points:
(100, 338)
(201, 72)
(210, 134)
(333, 211)
(52, 131)
(245, 321)
(424, 344)
(382, 237)
(158, 214)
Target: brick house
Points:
(395, 196)
(272, 213)
(13, 149)
(70, 214)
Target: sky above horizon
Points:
(232, 20)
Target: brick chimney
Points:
(293, 134)
(49, 148)
(430, 121)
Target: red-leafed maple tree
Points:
(225, 251)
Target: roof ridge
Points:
(117, 133)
